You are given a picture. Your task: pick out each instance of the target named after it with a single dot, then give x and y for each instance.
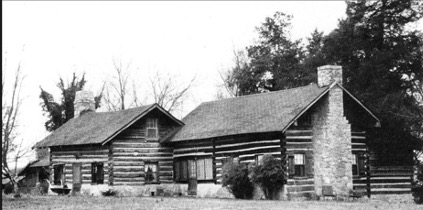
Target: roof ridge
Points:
(129, 109)
(260, 94)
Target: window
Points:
(202, 169)
(299, 165)
(205, 169)
(259, 159)
(354, 165)
(97, 173)
(151, 172)
(152, 131)
(58, 174)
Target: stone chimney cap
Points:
(328, 74)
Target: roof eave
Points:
(307, 107)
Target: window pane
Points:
(209, 168)
(259, 159)
(151, 172)
(299, 159)
(151, 133)
(354, 160)
(177, 171)
(184, 175)
(200, 169)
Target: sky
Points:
(186, 39)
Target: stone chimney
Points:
(328, 74)
(332, 136)
(84, 102)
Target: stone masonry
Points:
(332, 137)
(328, 74)
(84, 101)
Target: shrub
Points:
(417, 188)
(269, 176)
(8, 189)
(236, 180)
(109, 192)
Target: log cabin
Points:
(320, 132)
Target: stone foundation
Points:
(206, 190)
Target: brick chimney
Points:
(84, 102)
(332, 136)
(328, 74)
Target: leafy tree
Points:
(382, 62)
(270, 176)
(60, 113)
(236, 180)
(274, 62)
(314, 56)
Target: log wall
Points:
(130, 150)
(80, 154)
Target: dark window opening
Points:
(151, 172)
(58, 174)
(97, 173)
(355, 165)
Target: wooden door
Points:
(192, 177)
(77, 178)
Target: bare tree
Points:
(11, 150)
(117, 94)
(167, 92)
(230, 76)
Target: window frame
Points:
(61, 177)
(182, 176)
(356, 164)
(259, 159)
(156, 164)
(97, 175)
(152, 123)
(299, 168)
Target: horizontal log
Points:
(192, 154)
(128, 163)
(80, 149)
(165, 173)
(128, 183)
(252, 143)
(147, 155)
(180, 150)
(133, 179)
(250, 149)
(80, 157)
(142, 159)
(137, 141)
(141, 150)
(127, 169)
(128, 174)
(59, 161)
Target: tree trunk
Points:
(16, 189)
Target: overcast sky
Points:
(188, 39)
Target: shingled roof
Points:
(96, 127)
(265, 112)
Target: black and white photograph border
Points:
(212, 104)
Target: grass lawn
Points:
(383, 202)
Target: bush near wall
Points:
(270, 176)
(237, 181)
